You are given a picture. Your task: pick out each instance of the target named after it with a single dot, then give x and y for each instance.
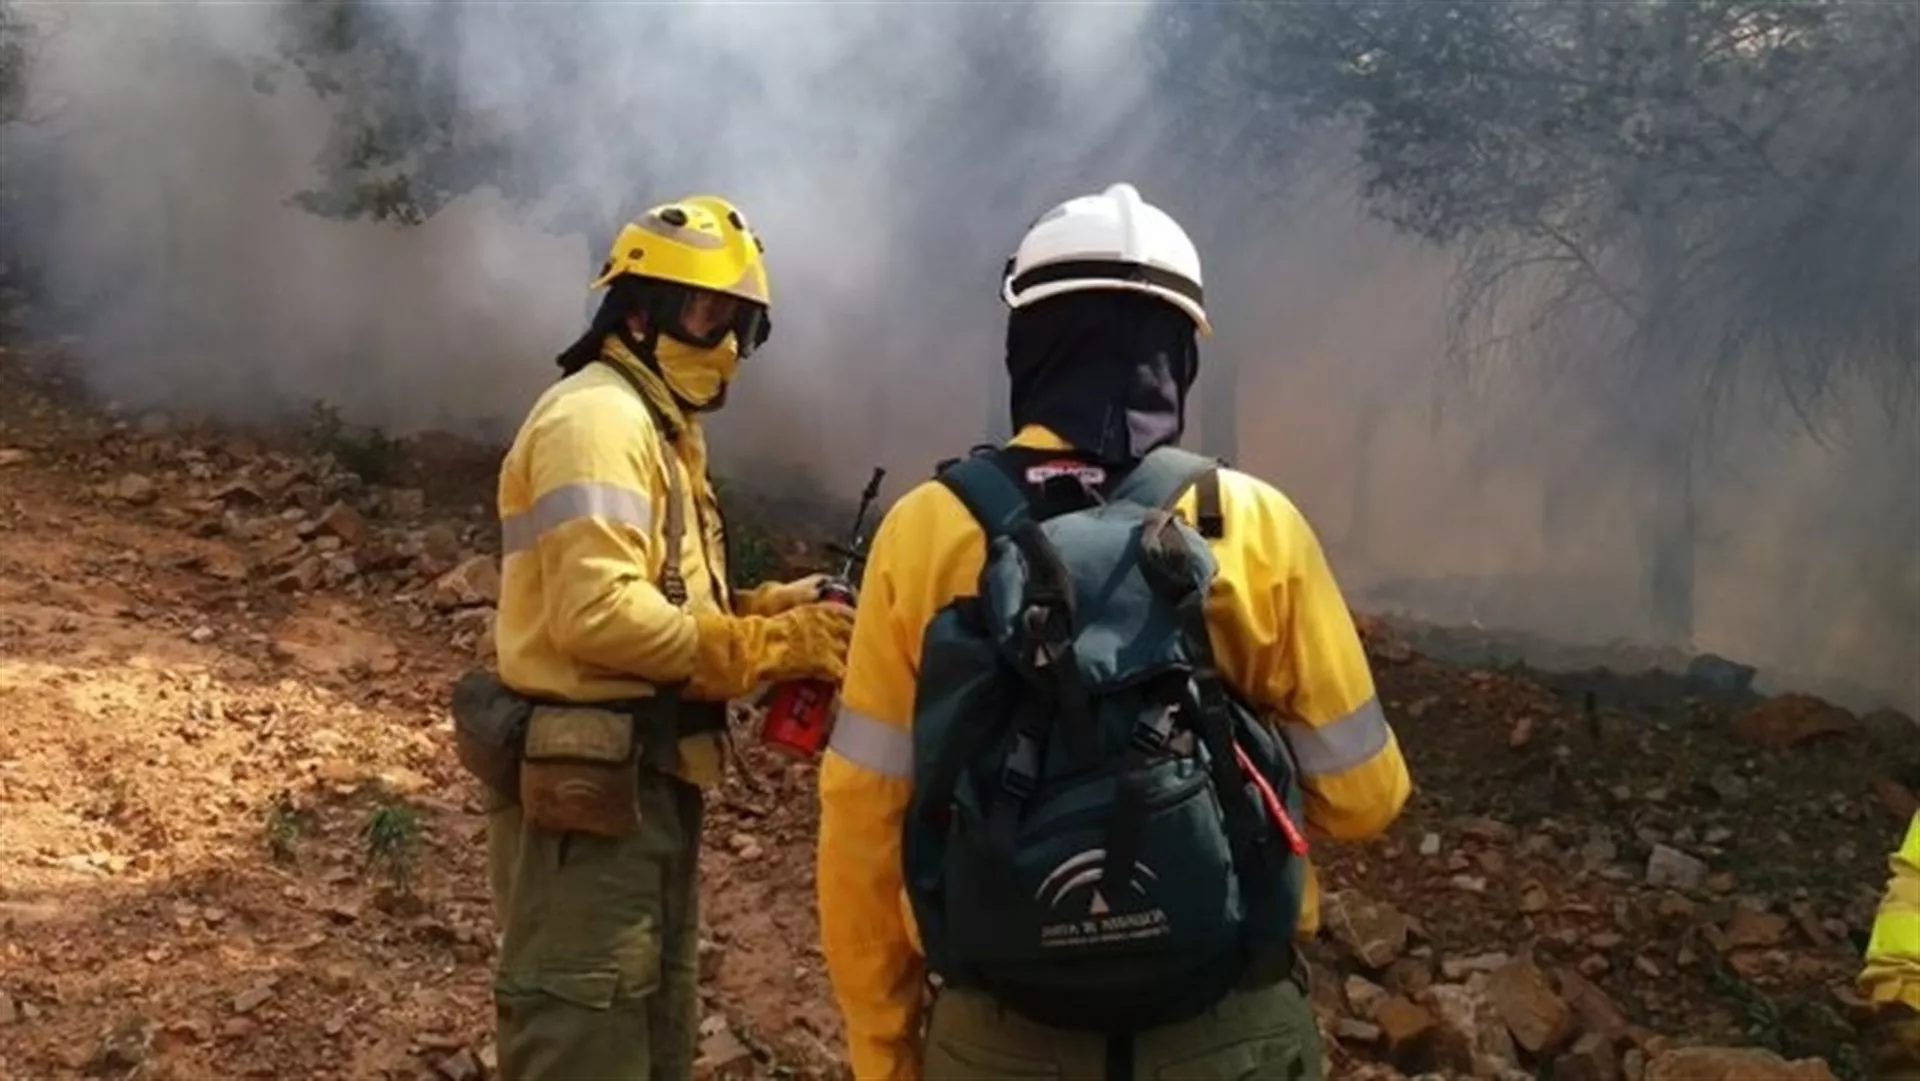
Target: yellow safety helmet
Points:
(699, 242)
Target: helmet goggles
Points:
(703, 318)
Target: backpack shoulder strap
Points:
(1046, 629)
(991, 496)
(1165, 474)
(672, 585)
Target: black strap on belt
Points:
(1120, 1058)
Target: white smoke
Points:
(891, 155)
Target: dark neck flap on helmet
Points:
(1107, 370)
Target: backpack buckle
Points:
(1022, 769)
(1016, 783)
(1154, 729)
(1047, 630)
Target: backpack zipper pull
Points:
(1282, 821)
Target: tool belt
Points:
(572, 766)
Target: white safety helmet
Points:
(1113, 240)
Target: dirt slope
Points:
(233, 841)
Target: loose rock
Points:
(1540, 1020)
(1593, 1010)
(1459, 968)
(1353, 1031)
(1409, 1031)
(459, 1066)
(135, 489)
(474, 582)
(1751, 927)
(1473, 1037)
(722, 1055)
(253, 997)
(1671, 867)
(345, 523)
(1732, 1064)
(1364, 996)
(1374, 931)
(1590, 1059)
(1793, 719)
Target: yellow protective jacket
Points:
(1282, 636)
(1892, 973)
(582, 498)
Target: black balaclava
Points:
(1107, 369)
(625, 295)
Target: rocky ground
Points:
(234, 841)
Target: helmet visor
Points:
(704, 318)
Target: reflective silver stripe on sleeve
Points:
(1340, 745)
(871, 745)
(590, 499)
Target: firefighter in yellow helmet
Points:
(965, 836)
(1891, 978)
(619, 632)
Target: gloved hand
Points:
(773, 598)
(734, 653)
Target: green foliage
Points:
(399, 147)
(392, 840)
(1701, 186)
(1795, 1026)
(752, 555)
(16, 56)
(366, 452)
(409, 135)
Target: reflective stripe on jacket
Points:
(1281, 633)
(582, 497)
(1892, 973)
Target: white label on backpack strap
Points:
(1066, 467)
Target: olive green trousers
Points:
(598, 973)
(1891, 1042)
(1266, 1034)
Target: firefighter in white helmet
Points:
(1102, 348)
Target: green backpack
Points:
(1101, 834)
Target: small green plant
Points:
(393, 836)
(366, 452)
(752, 557)
(1794, 1026)
(285, 823)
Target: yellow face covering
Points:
(698, 376)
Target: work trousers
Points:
(1266, 1034)
(598, 973)
(1892, 1044)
